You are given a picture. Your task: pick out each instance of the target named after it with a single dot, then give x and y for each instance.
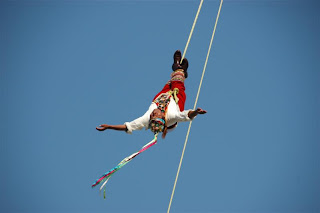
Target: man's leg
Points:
(165, 89)
(178, 77)
(181, 95)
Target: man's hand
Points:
(102, 127)
(201, 111)
(194, 113)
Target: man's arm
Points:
(128, 127)
(194, 113)
(103, 127)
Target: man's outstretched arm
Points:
(194, 113)
(103, 127)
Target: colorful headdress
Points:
(157, 125)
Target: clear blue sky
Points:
(68, 66)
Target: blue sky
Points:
(68, 66)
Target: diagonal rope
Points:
(191, 32)
(195, 104)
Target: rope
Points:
(191, 32)
(195, 104)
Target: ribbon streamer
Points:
(106, 176)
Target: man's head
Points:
(157, 121)
(156, 113)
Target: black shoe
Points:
(176, 60)
(177, 57)
(184, 66)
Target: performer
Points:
(167, 107)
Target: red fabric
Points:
(181, 95)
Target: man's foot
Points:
(176, 63)
(176, 60)
(177, 57)
(184, 66)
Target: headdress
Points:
(157, 125)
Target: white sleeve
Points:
(183, 116)
(140, 122)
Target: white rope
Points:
(195, 104)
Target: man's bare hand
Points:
(194, 113)
(201, 111)
(102, 127)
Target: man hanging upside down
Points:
(167, 107)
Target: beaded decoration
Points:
(163, 101)
(178, 75)
(157, 125)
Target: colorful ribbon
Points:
(106, 176)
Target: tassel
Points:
(106, 176)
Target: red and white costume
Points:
(175, 112)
